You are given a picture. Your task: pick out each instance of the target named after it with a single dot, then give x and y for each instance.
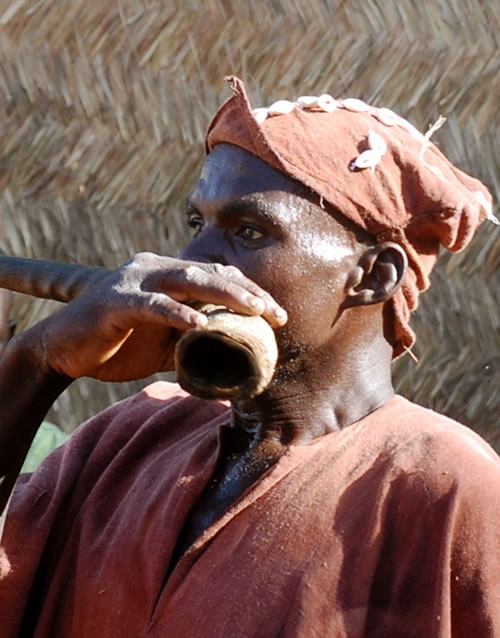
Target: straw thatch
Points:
(105, 106)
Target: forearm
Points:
(27, 390)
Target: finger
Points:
(227, 286)
(157, 308)
(200, 285)
(235, 274)
(272, 309)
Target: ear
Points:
(377, 276)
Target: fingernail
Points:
(280, 314)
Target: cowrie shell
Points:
(376, 142)
(387, 117)
(367, 159)
(355, 105)
(281, 107)
(326, 103)
(307, 101)
(260, 114)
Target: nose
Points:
(205, 248)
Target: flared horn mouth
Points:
(232, 357)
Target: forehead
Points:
(234, 180)
(231, 173)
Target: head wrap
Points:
(374, 167)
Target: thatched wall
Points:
(105, 106)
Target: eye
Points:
(249, 233)
(195, 222)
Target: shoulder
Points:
(449, 480)
(161, 400)
(161, 410)
(439, 452)
(158, 415)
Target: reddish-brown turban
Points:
(375, 168)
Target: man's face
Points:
(246, 214)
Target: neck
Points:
(323, 390)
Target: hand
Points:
(126, 326)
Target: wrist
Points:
(25, 356)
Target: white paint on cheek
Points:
(327, 250)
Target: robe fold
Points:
(387, 528)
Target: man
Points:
(326, 506)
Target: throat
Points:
(237, 471)
(317, 394)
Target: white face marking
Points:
(326, 249)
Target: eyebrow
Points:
(250, 207)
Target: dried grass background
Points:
(104, 107)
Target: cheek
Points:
(312, 300)
(308, 288)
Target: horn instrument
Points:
(232, 357)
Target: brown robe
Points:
(388, 528)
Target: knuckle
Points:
(142, 258)
(161, 301)
(152, 300)
(191, 274)
(232, 270)
(159, 304)
(127, 299)
(219, 269)
(215, 268)
(140, 261)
